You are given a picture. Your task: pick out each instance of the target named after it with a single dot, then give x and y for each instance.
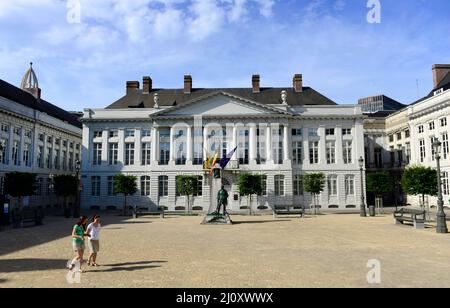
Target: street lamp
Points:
(76, 210)
(441, 219)
(363, 212)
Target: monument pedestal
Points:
(217, 219)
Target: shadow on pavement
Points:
(3, 281)
(134, 263)
(259, 222)
(31, 265)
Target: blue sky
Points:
(221, 43)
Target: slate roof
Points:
(444, 84)
(174, 97)
(24, 98)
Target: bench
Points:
(146, 212)
(288, 210)
(414, 216)
(28, 215)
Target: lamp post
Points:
(76, 210)
(363, 212)
(441, 219)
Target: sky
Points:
(84, 51)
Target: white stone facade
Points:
(279, 141)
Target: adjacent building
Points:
(280, 133)
(36, 136)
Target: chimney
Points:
(298, 83)
(147, 85)
(256, 83)
(187, 84)
(132, 86)
(439, 73)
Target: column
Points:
(137, 147)
(205, 144)
(235, 141)
(190, 146)
(322, 146)
(287, 143)
(154, 145)
(172, 145)
(121, 146)
(252, 141)
(22, 147)
(269, 143)
(105, 137)
(339, 146)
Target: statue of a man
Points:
(156, 100)
(222, 200)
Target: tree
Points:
(20, 185)
(250, 184)
(126, 185)
(379, 183)
(314, 183)
(420, 181)
(65, 186)
(187, 185)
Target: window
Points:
(113, 152)
(378, 157)
(298, 132)
(58, 141)
(199, 186)
(111, 186)
(420, 129)
(15, 153)
(261, 150)
(26, 155)
(277, 152)
(431, 126)
(313, 132)
(28, 134)
(71, 161)
(71, 145)
(98, 134)
(445, 184)
(163, 186)
(407, 133)
(146, 133)
(329, 132)
(164, 146)
(64, 160)
(391, 138)
(97, 155)
(443, 122)
(2, 185)
(129, 133)
(3, 151)
(408, 152)
(49, 140)
(17, 131)
(145, 186)
(39, 156)
(298, 185)
(77, 147)
(399, 136)
(146, 153)
(181, 152)
(65, 143)
(331, 153)
(297, 152)
(48, 158)
(332, 185)
(445, 146)
(279, 185)
(41, 137)
(56, 160)
(433, 153)
(350, 185)
(129, 154)
(400, 155)
(348, 157)
(5, 128)
(264, 185)
(346, 131)
(243, 146)
(113, 133)
(422, 150)
(95, 189)
(314, 152)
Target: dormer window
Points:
(440, 91)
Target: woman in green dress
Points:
(78, 234)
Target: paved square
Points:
(323, 251)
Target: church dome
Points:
(30, 80)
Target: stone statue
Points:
(156, 100)
(284, 97)
(222, 200)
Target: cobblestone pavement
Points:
(321, 251)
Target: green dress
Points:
(79, 232)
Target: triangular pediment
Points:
(221, 104)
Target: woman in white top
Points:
(93, 230)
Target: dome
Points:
(30, 80)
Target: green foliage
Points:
(379, 183)
(187, 185)
(418, 180)
(125, 184)
(65, 185)
(314, 183)
(250, 184)
(18, 184)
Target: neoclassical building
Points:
(395, 140)
(280, 133)
(36, 136)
